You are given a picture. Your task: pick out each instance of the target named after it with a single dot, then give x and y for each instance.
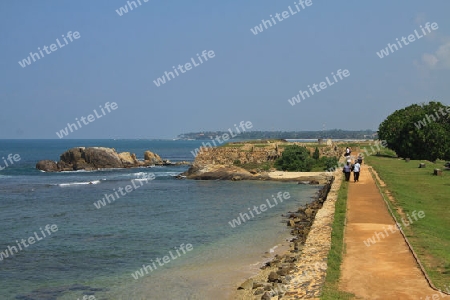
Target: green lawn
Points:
(418, 189)
(331, 287)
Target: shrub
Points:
(316, 154)
(328, 162)
(295, 158)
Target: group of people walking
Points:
(349, 167)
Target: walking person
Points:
(356, 170)
(360, 159)
(347, 170)
(347, 152)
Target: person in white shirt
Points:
(347, 152)
(356, 170)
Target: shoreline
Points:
(287, 273)
(233, 173)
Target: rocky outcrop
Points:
(94, 158)
(99, 157)
(129, 159)
(49, 165)
(152, 158)
(222, 172)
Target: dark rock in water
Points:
(153, 158)
(47, 165)
(314, 182)
(78, 287)
(102, 158)
(94, 158)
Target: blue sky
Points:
(251, 77)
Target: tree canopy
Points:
(295, 158)
(418, 131)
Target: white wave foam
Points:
(78, 171)
(165, 174)
(141, 179)
(79, 183)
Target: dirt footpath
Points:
(385, 269)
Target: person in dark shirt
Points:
(347, 171)
(360, 159)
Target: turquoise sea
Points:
(96, 251)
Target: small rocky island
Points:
(94, 158)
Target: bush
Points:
(316, 154)
(295, 158)
(265, 167)
(329, 162)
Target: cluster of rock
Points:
(283, 271)
(219, 172)
(94, 158)
(301, 221)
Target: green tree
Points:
(328, 162)
(316, 154)
(295, 158)
(418, 131)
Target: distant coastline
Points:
(334, 134)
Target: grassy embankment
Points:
(417, 189)
(331, 287)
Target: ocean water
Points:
(95, 251)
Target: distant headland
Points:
(254, 135)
